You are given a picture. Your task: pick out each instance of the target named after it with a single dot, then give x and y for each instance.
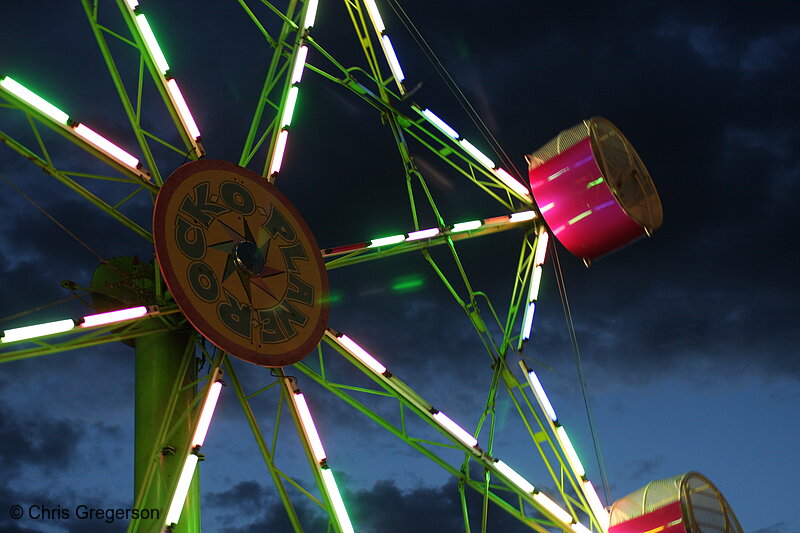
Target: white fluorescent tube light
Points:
(110, 317)
(309, 428)
(522, 216)
(372, 10)
(359, 353)
(179, 497)
(569, 451)
(538, 391)
(457, 431)
(440, 124)
(106, 146)
(336, 500)
(206, 413)
(423, 234)
(288, 110)
(391, 57)
(37, 330)
(596, 505)
(527, 321)
(466, 226)
(386, 241)
(183, 109)
(299, 65)
(34, 100)
(541, 248)
(513, 476)
(152, 44)
(477, 154)
(512, 182)
(277, 156)
(577, 527)
(311, 14)
(555, 509)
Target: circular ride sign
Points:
(241, 262)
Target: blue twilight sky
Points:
(688, 339)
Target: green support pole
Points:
(158, 366)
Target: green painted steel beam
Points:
(133, 115)
(266, 454)
(79, 339)
(76, 187)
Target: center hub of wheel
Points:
(250, 257)
(241, 262)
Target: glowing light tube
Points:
(423, 234)
(299, 65)
(37, 330)
(336, 500)
(577, 527)
(477, 154)
(385, 241)
(372, 10)
(569, 451)
(527, 322)
(311, 14)
(538, 391)
(541, 248)
(132, 3)
(106, 146)
(440, 124)
(288, 110)
(152, 44)
(179, 497)
(206, 413)
(513, 476)
(359, 353)
(309, 428)
(110, 317)
(547, 207)
(183, 109)
(466, 226)
(536, 282)
(512, 182)
(457, 431)
(522, 216)
(391, 57)
(596, 505)
(280, 149)
(34, 100)
(554, 509)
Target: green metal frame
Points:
(180, 394)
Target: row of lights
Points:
(501, 174)
(163, 68)
(564, 442)
(298, 66)
(533, 288)
(70, 324)
(311, 435)
(78, 129)
(514, 218)
(457, 432)
(193, 456)
(399, 77)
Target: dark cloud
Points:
(704, 91)
(43, 442)
(778, 527)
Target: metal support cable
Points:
(562, 290)
(52, 218)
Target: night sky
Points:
(688, 339)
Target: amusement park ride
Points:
(237, 265)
